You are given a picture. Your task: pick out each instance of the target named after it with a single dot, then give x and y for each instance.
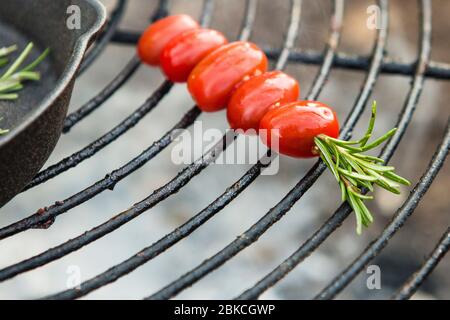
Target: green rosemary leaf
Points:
(368, 158)
(350, 148)
(9, 96)
(387, 184)
(354, 164)
(350, 179)
(384, 179)
(26, 75)
(363, 196)
(343, 190)
(354, 182)
(7, 50)
(374, 166)
(357, 175)
(392, 176)
(365, 212)
(369, 131)
(337, 141)
(326, 156)
(3, 61)
(365, 184)
(336, 155)
(25, 53)
(17, 87)
(8, 84)
(357, 211)
(380, 140)
(38, 60)
(11, 80)
(358, 169)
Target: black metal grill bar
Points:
(105, 37)
(277, 212)
(122, 77)
(437, 70)
(342, 60)
(95, 102)
(342, 280)
(148, 253)
(397, 222)
(344, 210)
(416, 280)
(94, 147)
(109, 182)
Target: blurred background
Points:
(404, 254)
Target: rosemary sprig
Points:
(356, 172)
(11, 81)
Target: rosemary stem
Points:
(7, 50)
(18, 61)
(11, 80)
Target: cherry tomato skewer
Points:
(233, 75)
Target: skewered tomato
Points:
(186, 50)
(254, 97)
(296, 125)
(158, 34)
(213, 79)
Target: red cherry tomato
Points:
(254, 97)
(214, 78)
(186, 50)
(158, 34)
(296, 124)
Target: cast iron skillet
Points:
(35, 120)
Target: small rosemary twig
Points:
(356, 172)
(12, 80)
(7, 50)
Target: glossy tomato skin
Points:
(214, 78)
(157, 35)
(186, 50)
(253, 98)
(296, 125)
